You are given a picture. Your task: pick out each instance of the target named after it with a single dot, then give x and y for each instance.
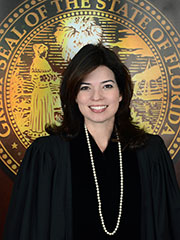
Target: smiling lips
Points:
(98, 109)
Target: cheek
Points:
(81, 99)
(116, 97)
(78, 98)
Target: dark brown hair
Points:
(85, 61)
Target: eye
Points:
(108, 86)
(84, 88)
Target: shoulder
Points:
(154, 148)
(49, 142)
(46, 153)
(153, 141)
(53, 146)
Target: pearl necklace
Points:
(97, 185)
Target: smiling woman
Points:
(97, 176)
(101, 64)
(98, 100)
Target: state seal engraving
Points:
(39, 38)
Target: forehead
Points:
(100, 74)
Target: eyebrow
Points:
(106, 81)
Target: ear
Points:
(120, 98)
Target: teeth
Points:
(98, 107)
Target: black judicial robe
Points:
(86, 219)
(41, 203)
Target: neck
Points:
(101, 133)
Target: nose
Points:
(97, 95)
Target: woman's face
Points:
(98, 97)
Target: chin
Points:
(100, 120)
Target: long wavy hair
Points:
(85, 61)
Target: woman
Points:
(42, 110)
(97, 176)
